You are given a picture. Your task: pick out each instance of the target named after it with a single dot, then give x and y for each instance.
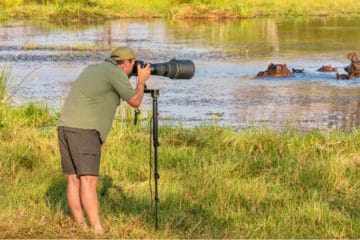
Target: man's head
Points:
(122, 53)
(125, 58)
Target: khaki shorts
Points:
(80, 150)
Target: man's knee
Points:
(73, 179)
(89, 181)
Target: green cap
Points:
(122, 53)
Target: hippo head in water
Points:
(275, 70)
(327, 69)
(294, 70)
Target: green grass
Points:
(91, 10)
(215, 182)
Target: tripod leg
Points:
(155, 94)
(156, 145)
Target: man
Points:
(85, 122)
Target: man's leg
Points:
(74, 201)
(90, 202)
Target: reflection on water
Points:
(227, 56)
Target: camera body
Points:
(174, 69)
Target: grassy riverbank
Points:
(215, 182)
(91, 10)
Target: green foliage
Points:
(29, 115)
(11, 3)
(90, 10)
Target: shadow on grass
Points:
(188, 218)
(112, 198)
(56, 196)
(175, 212)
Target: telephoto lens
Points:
(174, 69)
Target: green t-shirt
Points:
(92, 101)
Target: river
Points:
(227, 57)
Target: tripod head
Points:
(154, 93)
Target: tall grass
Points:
(8, 88)
(90, 10)
(5, 84)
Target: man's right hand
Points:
(143, 75)
(143, 72)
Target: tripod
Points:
(154, 94)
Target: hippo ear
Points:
(351, 56)
(354, 57)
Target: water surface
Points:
(227, 55)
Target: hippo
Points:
(342, 76)
(327, 69)
(294, 70)
(275, 70)
(354, 68)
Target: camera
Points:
(174, 69)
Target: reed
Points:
(8, 87)
(5, 84)
(68, 48)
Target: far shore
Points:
(90, 11)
